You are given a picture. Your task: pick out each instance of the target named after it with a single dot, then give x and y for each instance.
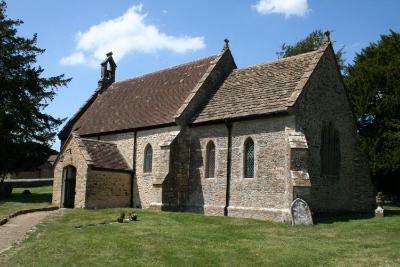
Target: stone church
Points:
(208, 137)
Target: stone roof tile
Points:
(149, 100)
(105, 155)
(260, 89)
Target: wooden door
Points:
(69, 186)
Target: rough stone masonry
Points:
(208, 137)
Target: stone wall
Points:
(161, 187)
(107, 189)
(71, 155)
(207, 195)
(175, 184)
(299, 182)
(265, 195)
(148, 186)
(177, 179)
(324, 99)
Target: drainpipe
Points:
(133, 174)
(228, 168)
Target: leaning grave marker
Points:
(300, 211)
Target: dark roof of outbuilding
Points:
(260, 89)
(148, 100)
(105, 155)
(52, 158)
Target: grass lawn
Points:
(40, 197)
(182, 239)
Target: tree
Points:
(26, 131)
(312, 42)
(373, 85)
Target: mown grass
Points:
(186, 239)
(39, 197)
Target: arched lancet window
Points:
(148, 159)
(330, 150)
(210, 160)
(249, 158)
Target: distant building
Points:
(43, 171)
(207, 137)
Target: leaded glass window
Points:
(330, 150)
(210, 160)
(148, 159)
(249, 158)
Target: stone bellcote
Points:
(108, 67)
(326, 38)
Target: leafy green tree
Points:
(373, 85)
(312, 42)
(26, 131)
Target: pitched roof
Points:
(104, 155)
(149, 100)
(52, 158)
(260, 89)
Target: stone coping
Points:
(25, 211)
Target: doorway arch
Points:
(69, 183)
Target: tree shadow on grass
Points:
(391, 213)
(329, 218)
(28, 198)
(392, 209)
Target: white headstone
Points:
(300, 211)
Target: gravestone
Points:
(300, 211)
(380, 200)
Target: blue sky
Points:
(149, 35)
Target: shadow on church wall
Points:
(182, 189)
(136, 197)
(195, 198)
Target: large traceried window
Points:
(210, 160)
(330, 150)
(249, 158)
(148, 159)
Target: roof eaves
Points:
(97, 141)
(243, 116)
(111, 169)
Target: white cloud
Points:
(73, 59)
(286, 7)
(126, 34)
